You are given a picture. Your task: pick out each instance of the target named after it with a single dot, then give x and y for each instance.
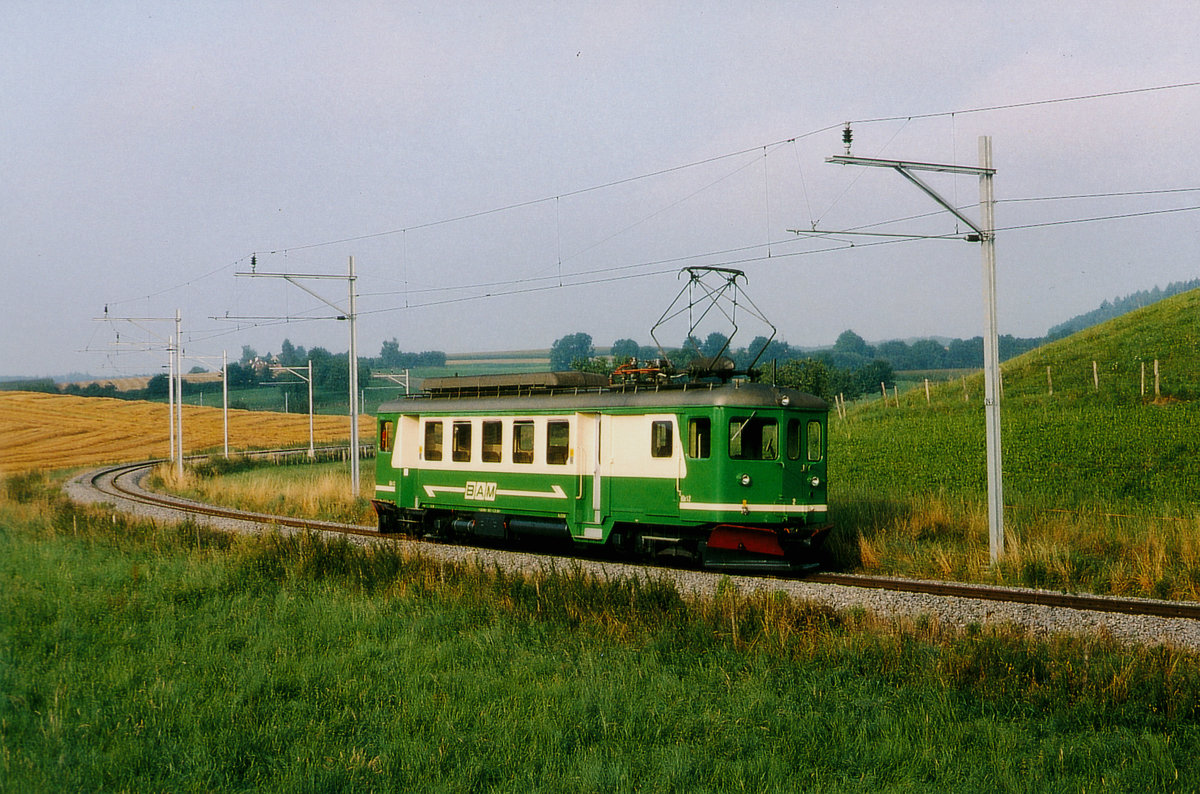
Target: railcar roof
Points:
(737, 394)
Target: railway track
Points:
(123, 483)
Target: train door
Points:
(591, 494)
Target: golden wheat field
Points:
(54, 431)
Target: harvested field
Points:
(51, 431)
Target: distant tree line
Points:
(850, 368)
(331, 373)
(1109, 310)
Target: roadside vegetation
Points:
(143, 657)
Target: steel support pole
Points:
(179, 393)
(312, 453)
(986, 232)
(171, 394)
(225, 397)
(991, 353)
(353, 317)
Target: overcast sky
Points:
(502, 149)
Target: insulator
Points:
(847, 136)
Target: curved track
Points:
(123, 483)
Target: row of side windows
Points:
(757, 438)
(521, 446)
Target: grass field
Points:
(56, 431)
(138, 657)
(1101, 484)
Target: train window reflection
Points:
(433, 440)
(493, 441)
(558, 442)
(385, 435)
(753, 438)
(522, 442)
(461, 441)
(699, 437)
(814, 440)
(793, 439)
(661, 439)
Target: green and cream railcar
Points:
(731, 473)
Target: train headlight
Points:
(744, 480)
(816, 481)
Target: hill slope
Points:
(1167, 331)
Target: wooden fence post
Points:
(1143, 378)
(1049, 381)
(1095, 375)
(1156, 391)
(966, 396)
(927, 401)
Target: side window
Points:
(753, 438)
(794, 440)
(460, 437)
(661, 439)
(493, 441)
(814, 440)
(699, 437)
(386, 435)
(522, 449)
(558, 442)
(433, 439)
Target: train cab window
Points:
(661, 439)
(558, 442)
(493, 441)
(522, 442)
(433, 440)
(814, 440)
(386, 436)
(699, 437)
(795, 441)
(753, 438)
(460, 442)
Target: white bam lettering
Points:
(480, 491)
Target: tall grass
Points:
(1098, 498)
(319, 490)
(135, 658)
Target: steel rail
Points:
(110, 480)
(1016, 595)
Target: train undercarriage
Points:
(728, 547)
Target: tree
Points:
(624, 349)
(766, 350)
(290, 355)
(157, 387)
(568, 348)
(248, 354)
(875, 374)
(389, 354)
(926, 354)
(599, 364)
(241, 377)
(850, 342)
(714, 343)
(807, 375)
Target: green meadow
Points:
(139, 657)
(142, 657)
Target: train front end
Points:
(757, 475)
